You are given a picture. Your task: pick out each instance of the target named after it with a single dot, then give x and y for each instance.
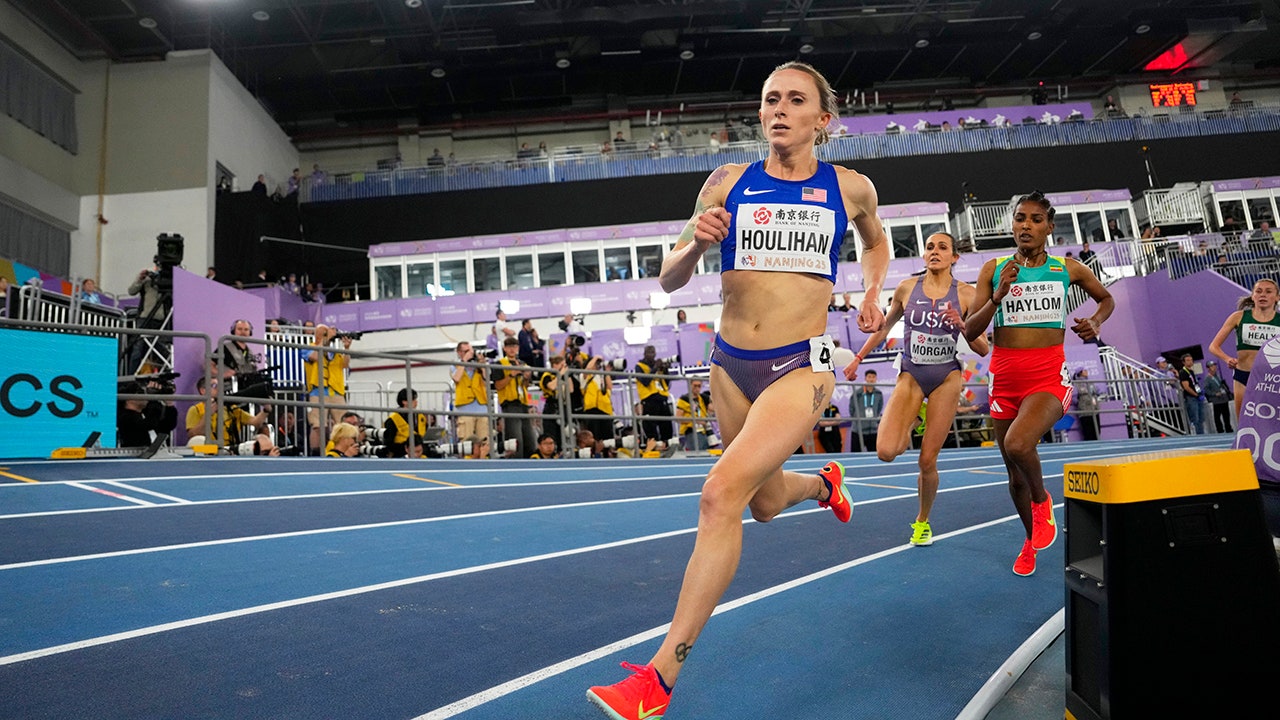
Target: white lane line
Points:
(108, 493)
(498, 691)
(152, 493)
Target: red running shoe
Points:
(639, 697)
(838, 498)
(1043, 528)
(1026, 562)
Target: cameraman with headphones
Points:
(470, 395)
(398, 426)
(334, 382)
(655, 395)
(237, 358)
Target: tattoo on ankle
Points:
(682, 651)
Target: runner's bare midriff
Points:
(772, 309)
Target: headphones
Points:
(232, 330)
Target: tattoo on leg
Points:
(682, 651)
(819, 394)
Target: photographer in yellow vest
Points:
(470, 395)
(655, 396)
(693, 408)
(512, 385)
(333, 386)
(398, 426)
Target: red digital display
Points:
(1173, 94)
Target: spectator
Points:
(866, 406)
(713, 143)
(4, 296)
(1086, 404)
(1087, 256)
(1191, 393)
(1111, 108)
(693, 407)
(211, 274)
(542, 150)
(260, 186)
(400, 426)
(546, 447)
(202, 429)
(502, 329)
(1218, 394)
(681, 317)
(153, 310)
(1236, 101)
(332, 385)
(470, 394)
(532, 347)
(512, 386)
(263, 279)
(1114, 231)
(344, 442)
(436, 159)
(308, 293)
(295, 181)
(89, 292)
(288, 438)
(141, 421)
(317, 175)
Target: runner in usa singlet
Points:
(930, 352)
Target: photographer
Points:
(397, 427)
(470, 395)
(546, 448)
(344, 442)
(201, 429)
(237, 358)
(655, 395)
(152, 312)
(138, 422)
(597, 399)
(550, 385)
(513, 396)
(693, 433)
(334, 382)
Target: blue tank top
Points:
(785, 225)
(1038, 298)
(928, 339)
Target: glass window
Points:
(711, 260)
(1090, 226)
(649, 260)
(1118, 225)
(929, 228)
(586, 266)
(1232, 209)
(487, 273)
(617, 263)
(551, 267)
(905, 242)
(453, 276)
(519, 271)
(1064, 229)
(1260, 211)
(421, 274)
(388, 281)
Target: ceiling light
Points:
(147, 23)
(261, 15)
(806, 48)
(562, 63)
(922, 43)
(415, 4)
(437, 72)
(1142, 29)
(686, 54)
(1034, 35)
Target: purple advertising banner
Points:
(416, 312)
(378, 315)
(913, 210)
(696, 341)
(1246, 184)
(1259, 431)
(282, 304)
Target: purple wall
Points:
(208, 307)
(281, 304)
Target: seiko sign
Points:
(1083, 482)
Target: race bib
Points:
(1257, 334)
(929, 349)
(820, 351)
(1034, 303)
(784, 238)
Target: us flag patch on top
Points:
(813, 194)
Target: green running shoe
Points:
(921, 533)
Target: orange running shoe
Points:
(639, 697)
(838, 498)
(1026, 562)
(1043, 528)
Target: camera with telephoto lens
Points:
(488, 354)
(164, 382)
(618, 364)
(375, 434)
(349, 334)
(575, 342)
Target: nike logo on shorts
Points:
(749, 191)
(777, 367)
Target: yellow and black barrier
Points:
(1172, 587)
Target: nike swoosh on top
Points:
(779, 367)
(749, 191)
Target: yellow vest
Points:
(682, 407)
(196, 417)
(334, 367)
(515, 391)
(594, 397)
(402, 427)
(645, 388)
(470, 389)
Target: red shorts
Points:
(1017, 373)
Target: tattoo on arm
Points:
(819, 395)
(682, 651)
(714, 181)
